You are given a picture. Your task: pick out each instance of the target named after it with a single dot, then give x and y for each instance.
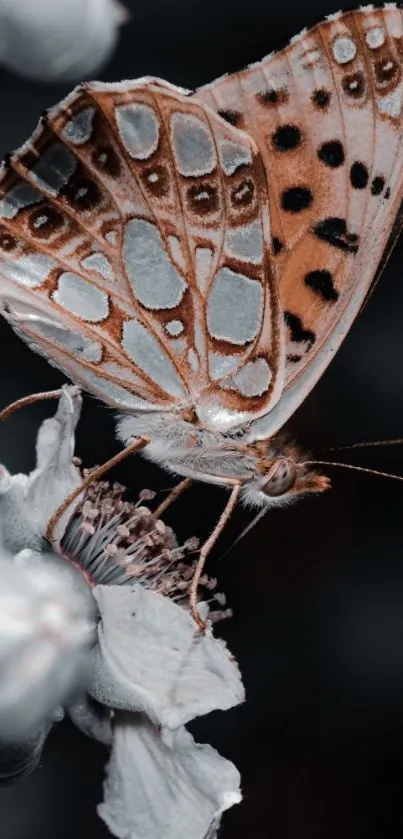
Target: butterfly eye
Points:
(283, 477)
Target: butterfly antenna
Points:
(353, 468)
(368, 444)
(29, 400)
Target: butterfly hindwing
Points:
(326, 114)
(135, 253)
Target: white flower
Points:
(58, 42)
(152, 670)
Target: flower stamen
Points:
(117, 542)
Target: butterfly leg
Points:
(173, 495)
(94, 475)
(29, 400)
(205, 550)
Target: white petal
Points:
(28, 502)
(153, 658)
(62, 41)
(164, 784)
(55, 475)
(16, 529)
(46, 633)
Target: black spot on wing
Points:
(242, 195)
(321, 282)
(44, 221)
(386, 69)
(203, 199)
(334, 231)
(298, 333)
(331, 153)
(273, 97)
(354, 85)
(296, 199)
(277, 245)
(321, 98)
(81, 192)
(377, 185)
(233, 117)
(106, 160)
(359, 175)
(286, 137)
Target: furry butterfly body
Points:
(196, 260)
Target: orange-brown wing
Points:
(134, 253)
(326, 114)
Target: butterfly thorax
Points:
(271, 472)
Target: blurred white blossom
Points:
(46, 633)
(151, 670)
(67, 40)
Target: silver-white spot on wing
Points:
(111, 236)
(100, 263)
(139, 130)
(79, 129)
(81, 298)
(31, 270)
(149, 356)
(154, 279)
(234, 307)
(54, 168)
(79, 345)
(124, 373)
(204, 261)
(233, 155)
(391, 105)
(221, 365)
(179, 346)
(246, 242)
(375, 37)
(193, 145)
(344, 49)
(252, 379)
(109, 391)
(19, 196)
(174, 328)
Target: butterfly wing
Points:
(134, 253)
(326, 114)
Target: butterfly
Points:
(195, 260)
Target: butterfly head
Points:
(284, 475)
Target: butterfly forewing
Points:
(326, 114)
(146, 235)
(135, 253)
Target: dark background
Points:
(317, 590)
